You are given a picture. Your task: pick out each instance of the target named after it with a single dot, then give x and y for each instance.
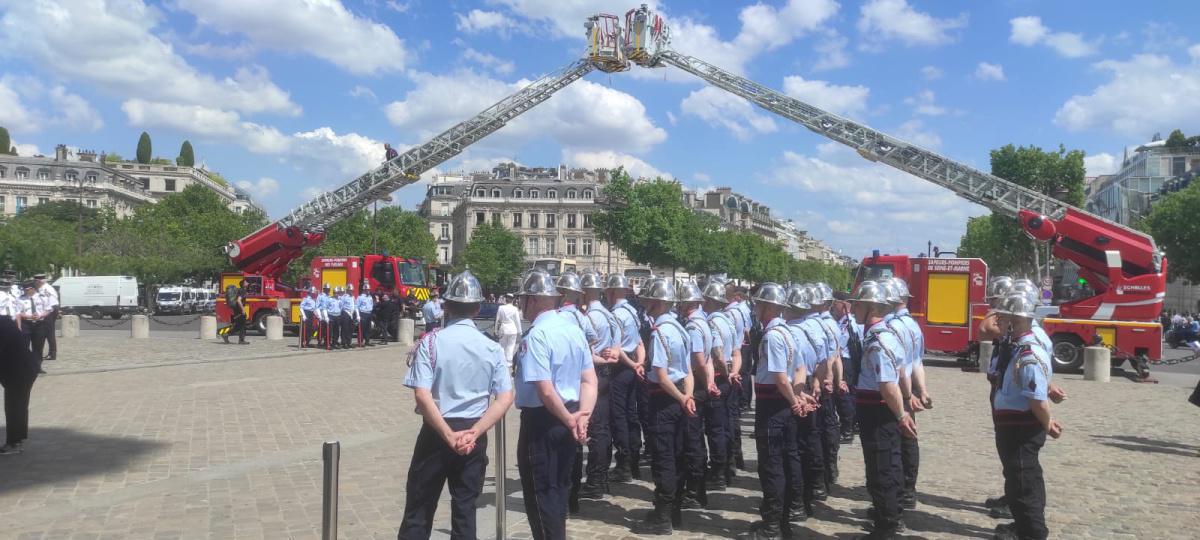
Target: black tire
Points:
(1068, 353)
(260, 321)
(97, 313)
(115, 316)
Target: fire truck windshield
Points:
(874, 272)
(412, 274)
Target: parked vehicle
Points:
(172, 300)
(98, 296)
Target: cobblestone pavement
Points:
(217, 448)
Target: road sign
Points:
(1047, 281)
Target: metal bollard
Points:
(501, 492)
(331, 454)
(1097, 364)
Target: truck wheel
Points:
(260, 320)
(97, 314)
(115, 316)
(1068, 353)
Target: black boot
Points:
(797, 514)
(620, 474)
(635, 470)
(819, 494)
(654, 523)
(716, 478)
(593, 491)
(996, 502)
(761, 531)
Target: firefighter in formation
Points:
(662, 384)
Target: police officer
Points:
(571, 290)
(701, 342)
(1021, 414)
(432, 310)
(310, 317)
(333, 307)
(605, 357)
(18, 371)
(627, 381)
(556, 391)
(51, 297)
(720, 412)
(453, 373)
(805, 472)
(880, 408)
(776, 407)
(918, 399)
(35, 308)
(9, 307)
(670, 386)
(364, 305)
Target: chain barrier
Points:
(169, 323)
(1173, 361)
(113, 324)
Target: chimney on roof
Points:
(87, 155)
(60, 152)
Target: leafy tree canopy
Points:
(145, 150)
(1173, 224)
(494, 255)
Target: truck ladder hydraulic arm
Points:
(1123, 265)
(269, 250)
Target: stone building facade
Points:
(30, 181)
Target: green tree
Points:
(145, 152)
(1174, 226)
(187, 157)
(33, 244)
(1176, 140)
(998, 239)
(396, 232)
(113, 157)
(5, 140)
(647, 221)
(495, 255)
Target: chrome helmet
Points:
(799, 297)
(464, 288)
(570, 282)
(871, 292)
(901, 287)
(771, 293)
(617, 281)
(337, 290)
(826, 292)
(998, 287)
(715, 291)
(1018, 305)
(1027, 288)
(893, 292)
(592, 280)
(312, 290)
(658, 289)
(538, 283)
(349, 288)
(689, 291)
(366, 286)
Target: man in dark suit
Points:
(18, 370)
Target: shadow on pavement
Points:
(57, 455)
(1142, 444)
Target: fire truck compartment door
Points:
(334, 277)
(1108, 335)
(948, 299)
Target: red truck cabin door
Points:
(944, 290)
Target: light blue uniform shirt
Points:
(903, 354)
(552, 350)
(1044, 340)
(846, 325)
(461, 367)
(816, 333)
(608, 332)
(1025, 378)
(726, 332)
(747, 316)
(805, 350)
(364, 303)
(740, 322)
(432, 312)
(346, 302)
(830, 327)
(333, 306)
(308, 304)
(881, 363)
(777, 353)
(627, 317)
(669, 347)
(916, 339)
(577, 318)
(700, 335)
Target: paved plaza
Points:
(175, 437)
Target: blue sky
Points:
(291, 98)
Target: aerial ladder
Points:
(1124, 267)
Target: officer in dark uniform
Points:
(1021, 414)
(605, 355)
(804, 479)
(453, 372)
(19, 369)
(918, 397)
(51, 296)
(627, 381)
(777, 406)
(669, 385)
(722, 412)
(701, 342)
(570, 288)
(556, 391)
(827, 418)
(850, 342)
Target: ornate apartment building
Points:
(549, 208)
(739, 212)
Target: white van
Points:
(172, 299)
(98, 296)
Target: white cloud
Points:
(262, 189)
(1194, 52)
(914, 131)
(478, 20)
(115, 46)
(1145, 94)
(207, 122)
(878, 203)
(931, 73)
(322, 28)
(327, 155)
(1102, 163)
(850, 101)
(399, 7)
(28, 105)
(1030, 31)
(562, 18)
(989, 72)
(503, 67)
(605, 159)
(832, 52)
(583, 116)
(26, 149)
(360, 91)
(237, 51)
(722, 109)
(883, 20)
(765, 27)
(925, 103)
